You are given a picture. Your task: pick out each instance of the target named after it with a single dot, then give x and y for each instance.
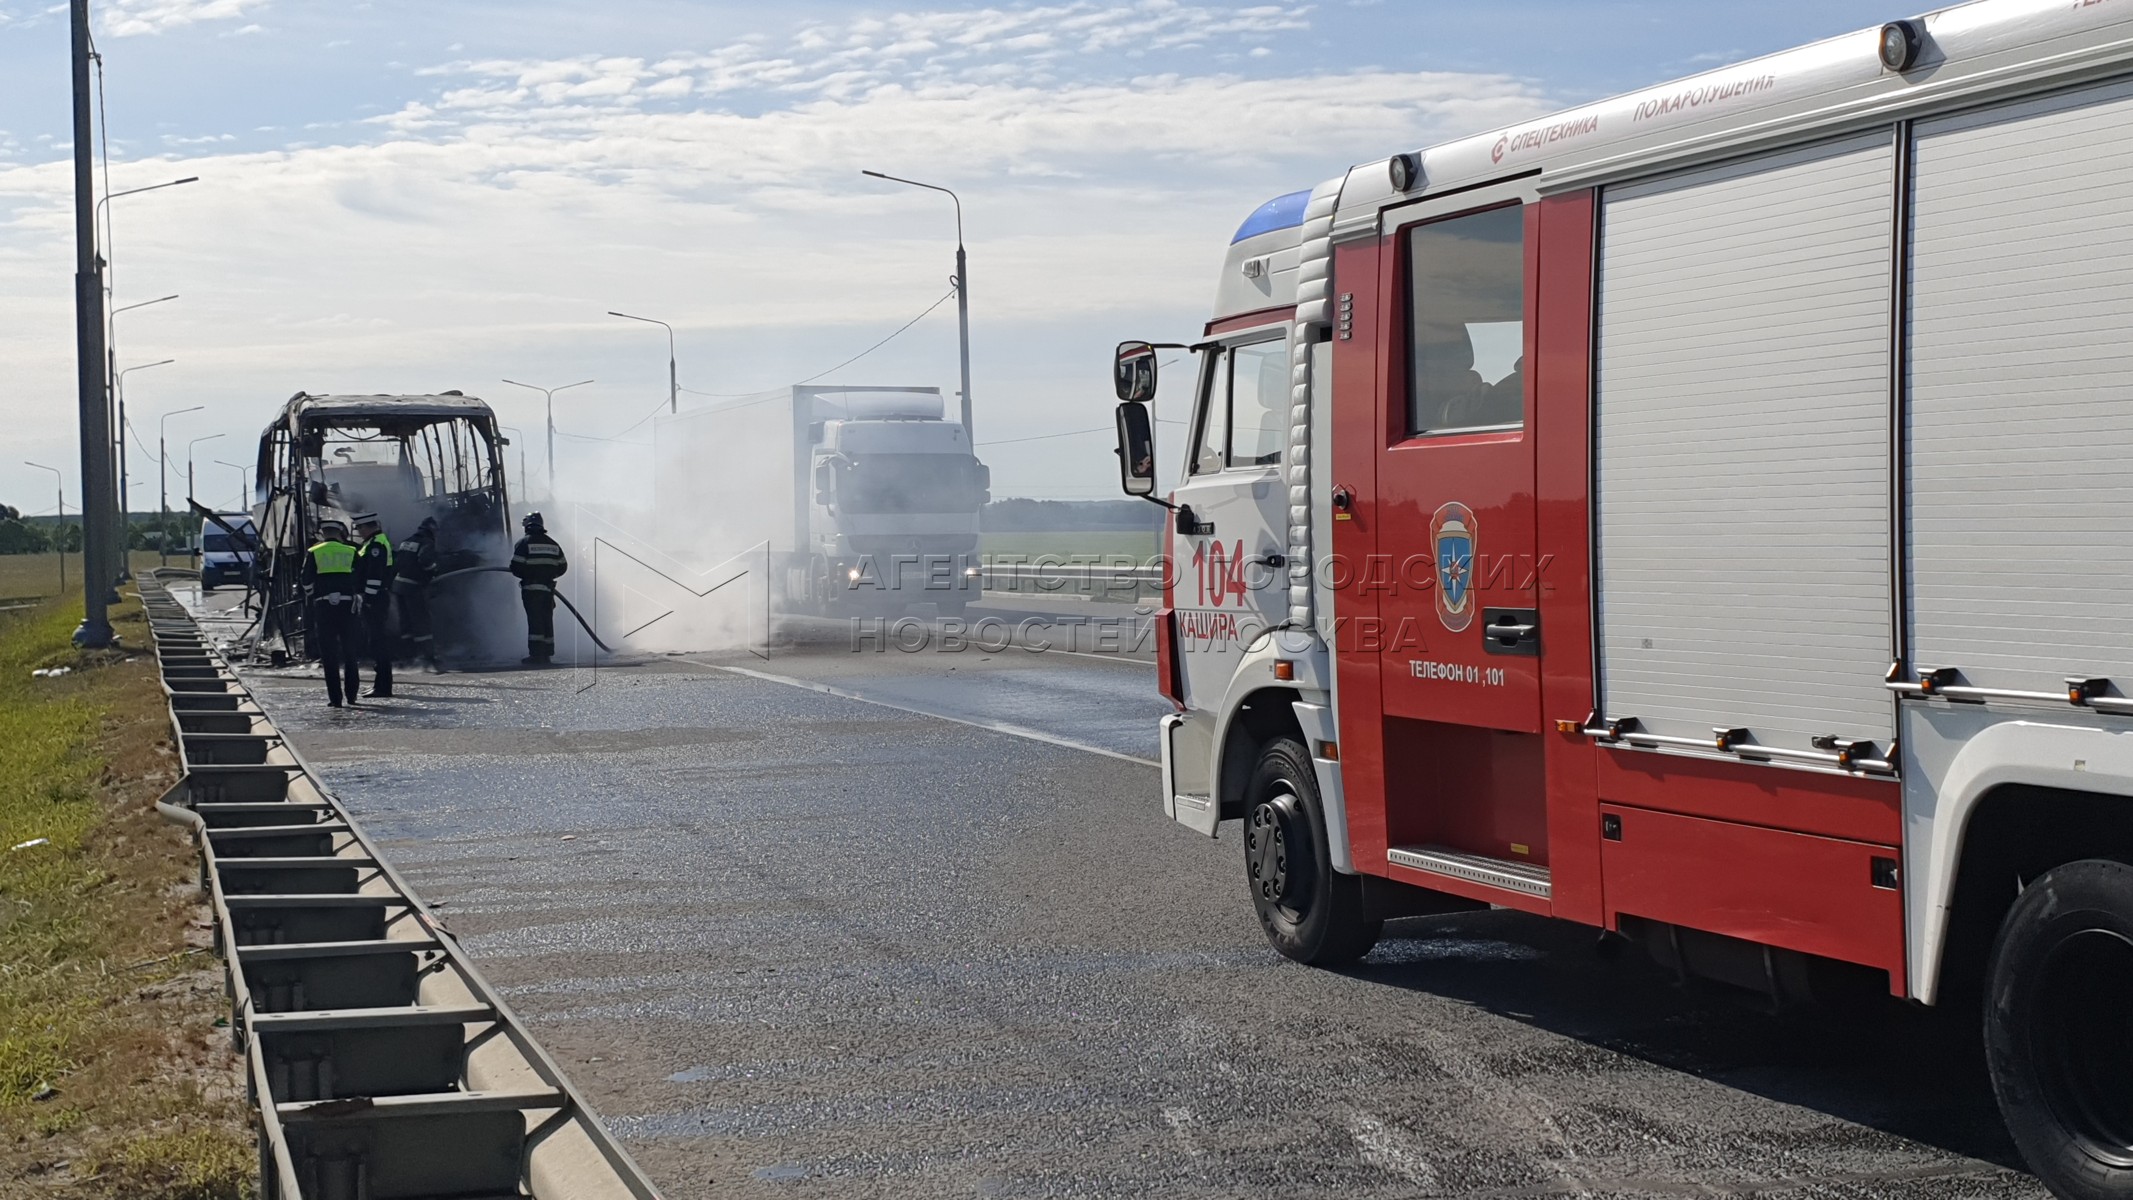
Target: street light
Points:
(521, 440)
(163, 478)
(962, 289)
(190, 496)
(550, 394)
(673, 383)
(244, 484)
(119, 390)
(108, 279)
(153, 187)
(60, 486)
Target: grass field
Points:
(1140, 545)
(114, 1080)
(36, 576)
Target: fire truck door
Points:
(1456, 571)
(1231, 585)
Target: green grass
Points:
(1139, 545)
(112, 1079)
(47, 790)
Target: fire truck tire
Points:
(2058, 1037)
(1310, 912)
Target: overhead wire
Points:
(767, 396)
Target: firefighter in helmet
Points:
(330, 585)
(374, 568)
(415, 564)
(538, 562)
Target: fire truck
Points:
(1703, 515)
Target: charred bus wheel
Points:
(1310, 912)
(2059, 1028)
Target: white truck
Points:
(865, 498)
(1701, 515)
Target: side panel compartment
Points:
(2019, 436)
(1811, 894)
(1741, 486)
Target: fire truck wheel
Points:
(1310, 913)
(2058, 1032)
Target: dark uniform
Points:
(329, 579)
(374, 566)
(414, 565)
(538, 562)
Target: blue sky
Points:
(403, 196)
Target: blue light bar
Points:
(1282, 212)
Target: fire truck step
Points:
(1474, 868)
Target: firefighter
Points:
(374, 568)
(414, 565)
(330, 585)
(538, 562)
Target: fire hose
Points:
(560, 596)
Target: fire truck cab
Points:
(1701, 515)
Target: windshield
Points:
(218, 542)
(907, 483)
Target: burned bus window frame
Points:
(1431, 295)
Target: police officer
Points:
(330, 584)
(374, 567)
(538, 562)
(414, 565)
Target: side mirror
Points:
(984, 481)
(1136, 448)
(825, 482)
(1133, 373)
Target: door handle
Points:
(1511, 631)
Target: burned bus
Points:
(403, 458)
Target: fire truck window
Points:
(1213, 443)
(1259, 403)
(1466, 332)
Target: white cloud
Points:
(483, 229)
(129, 18)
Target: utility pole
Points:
(191, 496)
(549, 395)
(962, 290)
(97, 491)
(673, 380)
(163, 480)
(118, 431)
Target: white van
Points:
(225, 559)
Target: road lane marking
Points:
(1020, 731)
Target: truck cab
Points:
(896, 493)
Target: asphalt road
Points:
(796, 943)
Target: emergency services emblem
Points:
(1452, 533)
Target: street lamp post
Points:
(673, 380)
(520, 438)
(549, 393)
(110, 335)
(962, 289)
(244, 484)
(119, 430)
(58, 551)
(191, 496)
(163, 479)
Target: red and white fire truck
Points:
(1706, 515)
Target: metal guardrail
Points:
(383, 1066)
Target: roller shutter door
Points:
(2019, 467)
(1741, 480)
